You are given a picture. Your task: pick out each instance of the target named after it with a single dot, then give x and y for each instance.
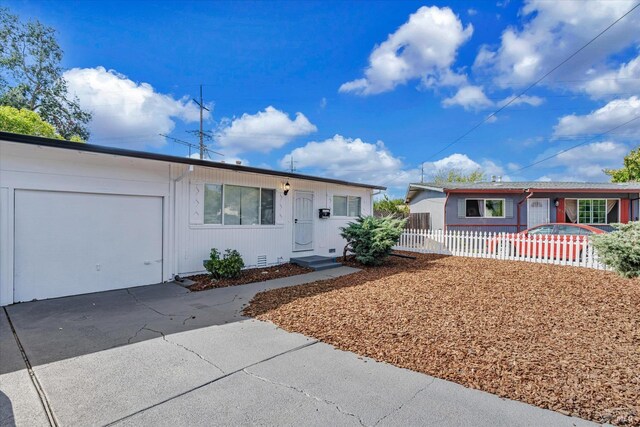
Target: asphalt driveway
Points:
(160, 355)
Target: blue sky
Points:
(365, 91)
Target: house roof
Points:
(67, 145)
(524, 186)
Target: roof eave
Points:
(100, 149)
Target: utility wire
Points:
(512, 100)
(577, 145)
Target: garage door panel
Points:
(73, 243)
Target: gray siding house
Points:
(515, 206)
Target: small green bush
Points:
(371, 239)
(620, 249)
(227, 267)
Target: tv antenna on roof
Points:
(205, 149)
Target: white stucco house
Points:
(79, 218)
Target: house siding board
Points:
(431, 202)
(184, 245)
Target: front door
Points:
(537, 212)
(303, 221)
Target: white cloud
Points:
(126, 113)
(424, 47)
(534, 101)
(264, 131)
(472, 12)
(613, 114)
(351, 159)
(552, 30)
(585, 163)
(463, 163)
(625, 79)
(469, 97)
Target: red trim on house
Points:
(560, 215)
(518, 208)
(624, 211)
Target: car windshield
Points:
(543, 229)
(573, 230)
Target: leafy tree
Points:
(371, 239)
(455, 175)
(27, 122)
(630, 171)
(620, 249)
(387, 206)
(31, 75)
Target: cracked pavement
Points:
(118, 358)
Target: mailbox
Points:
(324, 213)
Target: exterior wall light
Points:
(556, 202)
(287, 187)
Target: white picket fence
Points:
(547, 249)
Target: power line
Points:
(512, 100)
(577, 145)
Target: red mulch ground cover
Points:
(252, 275)
(562, 338)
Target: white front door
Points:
(76, 243)
(303, 221)
(537, 212)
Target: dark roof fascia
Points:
(100, 149)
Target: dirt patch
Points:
(562, 338)
(251, 275)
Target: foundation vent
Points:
(262, 261)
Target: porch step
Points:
(316, 262)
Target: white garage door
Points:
(76, 243)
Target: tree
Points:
(27, 122)
(31, 75)
(393, 207)
(455, 175)
(630, 171)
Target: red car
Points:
(546, 241)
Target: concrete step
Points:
(316, 262)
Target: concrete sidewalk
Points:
(242, 372)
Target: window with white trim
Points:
(238, 205)
(484, 208)
(347, 206)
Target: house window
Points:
(594, 211)
(213, 204)
(487, 208)
(248, 205)
(347, 206)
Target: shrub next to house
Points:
(620, 249)
(227, 267)
(371, 239)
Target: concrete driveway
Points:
(160, 355)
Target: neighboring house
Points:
(515, 206)
(78, 218)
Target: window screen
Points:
(340, 205)
(241, 205)
(354, 206)
(213, 204)
(493, 208)
(267, 206)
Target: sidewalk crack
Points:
(405, 402)
(311, 396)
(164, 337)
